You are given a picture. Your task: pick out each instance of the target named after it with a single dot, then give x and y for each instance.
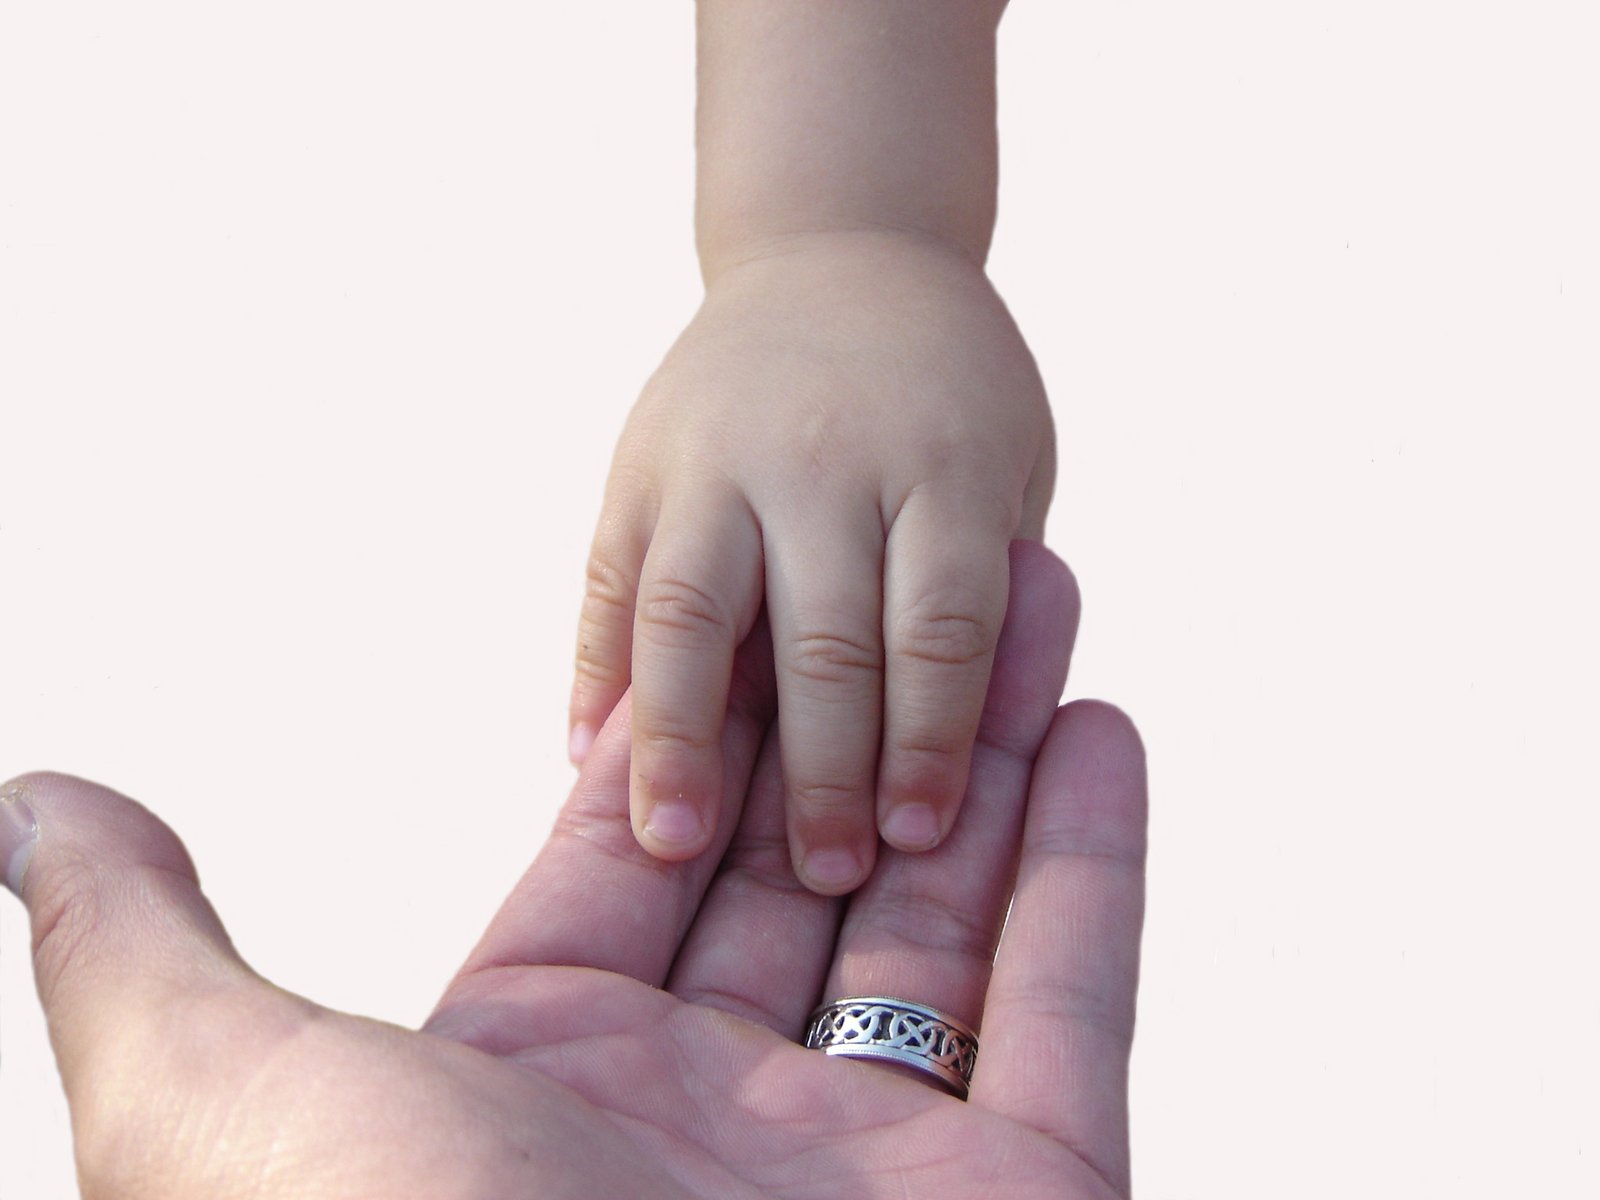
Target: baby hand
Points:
(852, 430)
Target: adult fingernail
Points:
(911, 827)
(18, 833)
(830, 869)
(580, 742)
(674, 823)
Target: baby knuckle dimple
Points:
(943, 635)
(607, 585)
(826, 799)
(595, 666)
(928, 749)
(657, 740)
(676, 611)
(833, 658)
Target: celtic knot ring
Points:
(892, 1030)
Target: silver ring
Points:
(891, 1030)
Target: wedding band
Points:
(891, 1030)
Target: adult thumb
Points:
(120, 927)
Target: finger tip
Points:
(673, 830)
(19, 831)
(1034, 564)
(832, 870)
(580, 740)
(912, 827)
(1104, 721)
(1094, 760)
(1029, 554)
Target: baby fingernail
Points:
(911, 826)
(18, 833)
(674, 823)
(830, 869)
(580, 742)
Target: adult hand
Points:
(627, 1027)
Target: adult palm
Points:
(627, 1027)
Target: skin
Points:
(626, 1026)
(845, 438)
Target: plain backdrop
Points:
(318, 323)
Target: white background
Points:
(318, 323)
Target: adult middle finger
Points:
(925, 926)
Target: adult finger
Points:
(594, 897)
(825, 600)
(761, 942)
(605, 620)
(699, 594)
(121, 932)
(1061, 1003)
(924, 927)
(945, 580)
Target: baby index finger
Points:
(699, 594)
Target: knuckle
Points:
(1076, 845)
(732, 999)
(934, 748)
(675, 611)
(597, 669)
(67, 909)
(1086, 1003)
(754, 872)
(607, 587)
(944, 635)
(834, 658)
(657, 741)
(931, 923)
(604, 833)
(830, 799)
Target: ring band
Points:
(892, 1030)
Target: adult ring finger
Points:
(889, 1029)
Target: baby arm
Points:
(850, 431)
